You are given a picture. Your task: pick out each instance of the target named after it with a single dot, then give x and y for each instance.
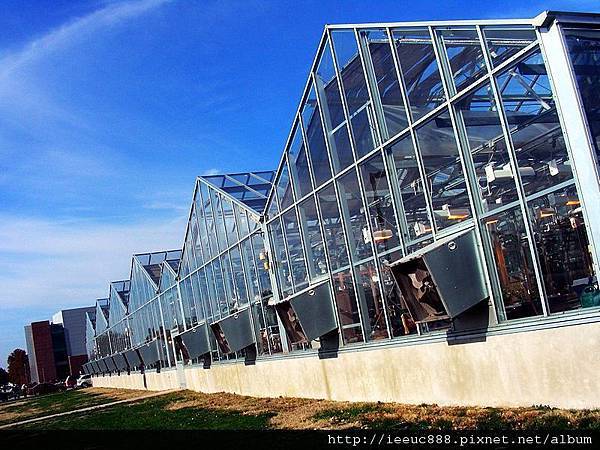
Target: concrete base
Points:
(559, 367)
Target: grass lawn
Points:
(31, 407)
(221, 411)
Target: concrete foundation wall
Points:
(558, 367)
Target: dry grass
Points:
(298, 413)
(189, 410)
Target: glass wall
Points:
(404, 135)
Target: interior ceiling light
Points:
(545, 212)
(453, 213)
(573, 202)
(492, 174)
(491, 221)
(420, 228)
(382, 235)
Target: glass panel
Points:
(355, 90)
(328, 89)
(353, 211)
(341, 151)
(380, 54)
(219, 222)
(504, 42)
(514, 268)
(333, 113)
(294, 243)
(411, 187)
(370, 298)
(204, 293)
(464, 55)
(213, 292)
(534, 126)
(488, 149)
(284, 187)
(312, 237)
(564, 252)
(400, 320)
(228, 280)
(316, 144)
(222, 298)
(584, 49)
(299, 164)
(379, 204)
(419, 69)
(239, 278)
(273, 207)
(202, 219)
(210, 222)
(242, 219)
(441, 159)
(280, 257)
(251, 275)
(258, 247)
(332, 224)
(230, 223)
(345, 299)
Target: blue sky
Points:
(109, 110)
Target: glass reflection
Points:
(533, 120)
(386, 78)
(464, 55)
(584, 49)
(280, 257)
(441, 159)
(371, 302)
(379, 204)
(299, 164)
(294, 244)
(332, 224)
(355, 91)
(503, 42)
(414, 206)
(563, 248)
(488, 148)
(315, 251)
(345, 299)
(319, 156)
(284, 187)
(419, 69)
(353, 211)
(514, 267)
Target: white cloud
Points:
(70, 263)
(212, 171)
(22, 98)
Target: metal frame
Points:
(586, 173)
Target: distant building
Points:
(57, 348)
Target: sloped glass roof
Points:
(122, 288)
(250, 188)
(151, 262)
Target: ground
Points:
(192, 410)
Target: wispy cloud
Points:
(212, 171)
(75, 30)
(20, 94)
(69, 263)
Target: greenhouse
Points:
(436, 207)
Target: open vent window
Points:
(442, 280)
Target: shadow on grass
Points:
(154, 414)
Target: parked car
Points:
(44, 388)
(70, 382)
(84, 381)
